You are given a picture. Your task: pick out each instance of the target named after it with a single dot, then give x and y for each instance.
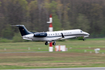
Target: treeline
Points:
(88, 15)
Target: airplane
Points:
(51, 36)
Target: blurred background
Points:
(88, 15)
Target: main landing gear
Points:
(54, 43)
(46, 43)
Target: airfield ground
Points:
(79, 54)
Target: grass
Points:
(12, 56)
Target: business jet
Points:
(51, 36)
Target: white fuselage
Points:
(57, 35)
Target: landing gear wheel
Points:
(46, 43)
(54, 43)
(83, 39)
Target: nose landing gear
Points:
(83, 39)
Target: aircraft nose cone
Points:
(88, 34)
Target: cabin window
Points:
(55, 33)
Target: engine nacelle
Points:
(41, 34)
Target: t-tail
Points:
(23, 30)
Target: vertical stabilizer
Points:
(23, 30)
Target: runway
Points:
(90, 68)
